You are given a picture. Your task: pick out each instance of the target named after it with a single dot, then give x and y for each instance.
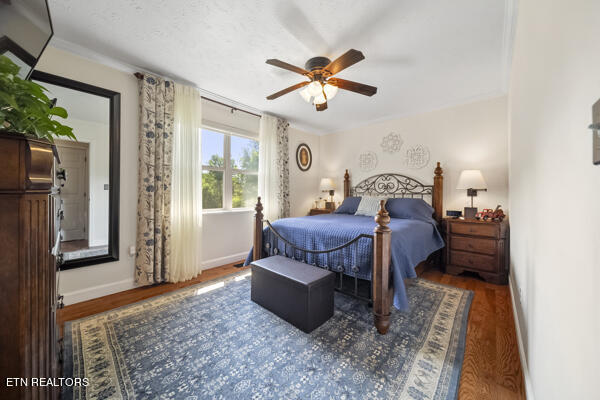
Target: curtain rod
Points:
(139, 75)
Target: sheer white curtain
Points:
(268, 175)
(186, 204)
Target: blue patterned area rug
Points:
(211, 342)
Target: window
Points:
(229, 170)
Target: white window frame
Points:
(227, 170)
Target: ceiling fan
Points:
(321, 85)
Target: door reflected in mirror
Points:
(85, 206)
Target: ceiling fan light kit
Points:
(321, 87)
(314, 88)
(319, 99)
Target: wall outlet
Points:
(131, 251)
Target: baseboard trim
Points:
(217, 262)
(93, 292)
(528, 385)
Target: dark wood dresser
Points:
(478, 246)
(27, 268)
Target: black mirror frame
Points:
(114, 164)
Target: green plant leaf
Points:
(59, 112)
(25, 106)
(7, 66)
(7, 99)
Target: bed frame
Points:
(384, 185)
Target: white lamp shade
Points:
(471, 179)
(330, 91)
(319, 99)
(305, 95)
(326, 184)
(314, 88)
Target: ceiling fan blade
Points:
(287, 90)
(347, 59)
(353, 86)
(278, 63)
(321, 107)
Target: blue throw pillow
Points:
(409, 209)
(348, 206)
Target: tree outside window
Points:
(233, 184)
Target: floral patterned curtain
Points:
(273, 167)
(154, 181)
(283, 158)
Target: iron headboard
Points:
(393, 185)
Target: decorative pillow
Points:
(368, 206)
(409, 209)
(348, 206)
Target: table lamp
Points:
(328, 186)
(471, 180)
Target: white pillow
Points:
(368, 206)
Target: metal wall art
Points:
(417, 157)
(367, 161)
(391, 143)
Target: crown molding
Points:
(102, 59)
(418, 111)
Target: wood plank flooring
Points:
(491, 367)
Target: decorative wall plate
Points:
(367, 161)
(303, 157)
(391, 143)
(417, 157)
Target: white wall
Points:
(471, 136)
(226, 237)
(554, 195)
(97, 280)
(304, 185)
(221, 244)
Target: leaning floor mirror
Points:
(86, 173)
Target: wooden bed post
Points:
(258, 231)
(438, 193)
(382, 290)
(346, 184)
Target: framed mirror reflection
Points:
(86, 172)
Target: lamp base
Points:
(470, 212)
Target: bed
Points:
(381, 250)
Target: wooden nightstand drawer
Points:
(319, 211)
(478, 246)
(475, 229)
(485, 246)
(472, 260)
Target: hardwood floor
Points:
(491, 367)
(73, 245)
(109, 302)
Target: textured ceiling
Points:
(421, 55)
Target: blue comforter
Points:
(412, 242)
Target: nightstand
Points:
(478, 246)
(317, 211)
